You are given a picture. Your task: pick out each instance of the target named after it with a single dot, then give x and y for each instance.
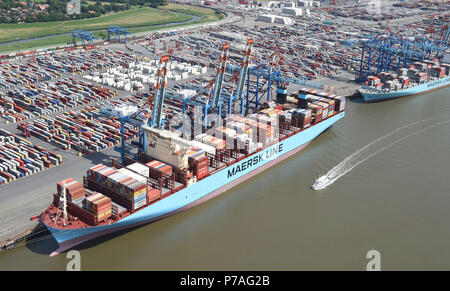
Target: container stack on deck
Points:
(89, 206)
(74, 189)
(419, 73)
(99, 205)
(123, 186)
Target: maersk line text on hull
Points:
(269, 153)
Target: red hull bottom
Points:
(74, 242)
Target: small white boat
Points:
(321, 183)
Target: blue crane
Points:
(265, 76)
(118, 32)
(392, 52)
(136, 119)
(113, 30)
(84, 36)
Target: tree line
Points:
(12, 11)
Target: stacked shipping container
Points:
(85, 131)
(19, 157)
(123, 186)
(46, 98)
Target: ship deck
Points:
(49, 215)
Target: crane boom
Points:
(220, 75)
(160, 91)
(244, 68)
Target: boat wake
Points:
(374, 148)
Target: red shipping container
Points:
(152, 194)
(160, 166)
(20, 162)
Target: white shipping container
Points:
(139, 168)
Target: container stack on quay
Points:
(18, 56)
(391, 11)
(319, 47)
(139, 74)
(52, 66)
(49, 97)
(85, 131)
(85, 61)
(20, 158)
(13, 75)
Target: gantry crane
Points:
(220, 75)
(117, 32)
(392, 52)
(142, 116)
(160, 91)
(243, 74)
(215, 86)
(265, 74)
(84, 36)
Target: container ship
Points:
(174, 168)
(175, 173)
(421, 77)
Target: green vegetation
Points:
(205, 13)
(131, 18)
(51, 41)
(31, 11)
(134, 19)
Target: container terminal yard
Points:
(62, 110)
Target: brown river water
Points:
(397, 201)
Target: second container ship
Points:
(419, 78)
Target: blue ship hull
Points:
(419, 89)
(201, 191)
